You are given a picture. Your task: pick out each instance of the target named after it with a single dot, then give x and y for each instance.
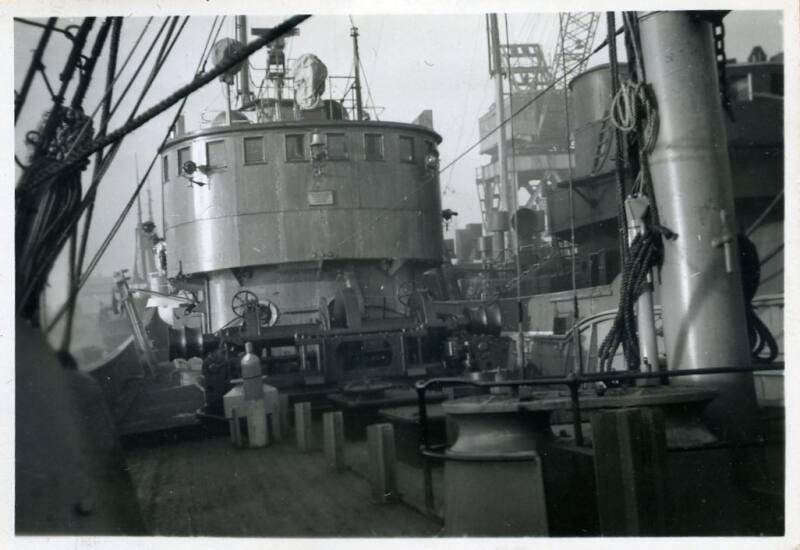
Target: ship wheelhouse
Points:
(300, 205)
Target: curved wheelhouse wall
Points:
(297, 227)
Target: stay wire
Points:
(573, 251)
(111, 69)
(618, 144)
(527, 104)
(520, 315)
(201, 80)
(76, 104)
(106, 162)
(110, 87)
(109, 238)
(151, 78)
(33, 219)
(34, 67)
(143, 62)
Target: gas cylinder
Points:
(251, 374)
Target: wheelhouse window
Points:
(406, 146)
(295, 147)
(254, 150)
(373, 146)
(165, 168)
(184, 155)
(216, 156)
(337, 146)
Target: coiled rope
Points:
(758, 333)
(645, 251)
(635, 103)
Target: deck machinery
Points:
(310, 230)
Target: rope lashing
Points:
(633, 102)
(646, 252)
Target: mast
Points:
(140, 262)
(501, 223)
(138, 196)
(245, 96)
(701, 286)
(149, 202)
(357, 79)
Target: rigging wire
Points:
(599, 47)
(48, 173)
(153, 73)
(520, 315)
(110, 87)
(201, 67)
(111, 69)
(76, 212)
(35, 65)
(467, 96)
(109, 238)
(618, 143)
(48, 144)
(369, 92)
(142, 63)
(573, 252)
(765, 213)
(76, 103)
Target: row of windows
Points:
(336, 145)
(297, 151)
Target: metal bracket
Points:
(636, 207)
(725, 241)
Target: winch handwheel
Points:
(242, 300)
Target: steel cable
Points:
(120, 219)
(79, 156)
(57, 232)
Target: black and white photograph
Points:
(354, 274)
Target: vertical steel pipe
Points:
(245, 96)
(500, 113)
(703, 306)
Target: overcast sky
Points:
(411, 63)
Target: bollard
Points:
(333, 439)
(302, 425)
(382, 463)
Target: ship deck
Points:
(204, 486)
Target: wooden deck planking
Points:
(206, 487)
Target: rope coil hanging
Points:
(633, 104)
(633, 111)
